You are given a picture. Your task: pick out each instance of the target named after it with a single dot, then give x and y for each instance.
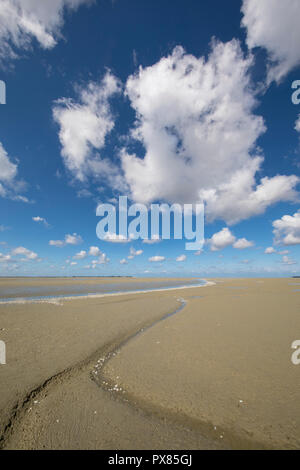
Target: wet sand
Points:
(217, 374)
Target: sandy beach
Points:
(195, 368)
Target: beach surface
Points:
(194, 368)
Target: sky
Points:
(164, 102)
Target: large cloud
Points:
(9, 185)
(287, 229)
(21, 21)
(274, 25)
(84, 125)
(196, 122)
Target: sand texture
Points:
(197, 368)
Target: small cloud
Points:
(4, 258)
(41, 220)
(242, 244)
(58, 243)
(198, 253)
(221, 239)
(152, 240)
(134, 253)
(287, 260)
(102, 259)
(114, 238)
(84, 193)
(123, 261)
(156, 259)
(81, 255)
(94, 251)
(270, 250)
(69, 240)
(287, 229)
(29, 255)
(181, 258)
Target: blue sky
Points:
(160, 101)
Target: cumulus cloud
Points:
(115, 238)
(80, 255)
(94, 251)
(226, 238)
(270, 250)
(102, 259)
(274, 26)
(9, 185)
(242, 244)
(41, 220)
(181, 258)
(83, 127)
(68, 240)
(195, 119)
(133, 252)
(221, 239)
(28, 254)
(22, 21)
(152, 240)
(287, 229)
(123, 261)
(156, 259)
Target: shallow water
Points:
(44, 292)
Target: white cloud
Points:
(196, 122)
(58, 243)
(156, 259)
(69, 240)
(9, 185)
(102, 259)
(114, 238)
(181, 258)
(270, 250)
(80, 255)
(151, 241)
(73, 239)
(94, 251)
(22, 21)
(40, 219)
(198, 253)
(123, 261)
(73, 263)
(226, 238)
(287, 229)
(83, 128)
(8, 170)
(29, 255)
(134, 253)
(4, 258)
(242, 244)
(288, 260)
(221, 239)
(274, 25)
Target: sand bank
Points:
(216, 375)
